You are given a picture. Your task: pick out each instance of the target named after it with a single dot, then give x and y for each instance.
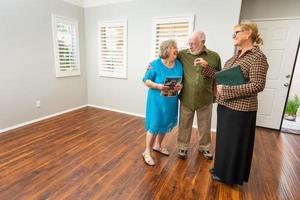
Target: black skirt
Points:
(234, 144)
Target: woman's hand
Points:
(220, 89)
(178, 87)
(162, 87)
(200, 61)
(156, 86)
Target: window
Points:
(66, 46)
(177, 28)
(112, 49)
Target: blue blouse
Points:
(161, 111)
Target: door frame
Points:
(274, 19)
(295, 61)
(291, 81)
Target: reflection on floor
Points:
(291, 126)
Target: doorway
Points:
(281, 38)
(291, 118)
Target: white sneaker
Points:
(207, 154)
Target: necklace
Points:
(168, 64)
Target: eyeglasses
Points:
(235, 33)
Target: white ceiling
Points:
(92, 3)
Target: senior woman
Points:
(237, 107)
(161, 111)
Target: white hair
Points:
(201, 35)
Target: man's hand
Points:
(200, 61)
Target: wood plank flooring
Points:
(96, 154)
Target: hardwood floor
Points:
(96, 154)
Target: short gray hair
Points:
(164, 48)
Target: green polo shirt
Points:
(197, 90)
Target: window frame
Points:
(114, 74)
(170, 19)
(70, 21)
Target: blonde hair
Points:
(251, 26)
(164, 48)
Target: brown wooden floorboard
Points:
(96, 154)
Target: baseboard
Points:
(130, 113)
(76, 108)
(42, 118)
(115, 110)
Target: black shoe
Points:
(216, 178)
(182, 153)
(207, 154)
(212, 170)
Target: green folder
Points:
(231, 76)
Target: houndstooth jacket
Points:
(243, 97)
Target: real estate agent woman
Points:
(237, 107)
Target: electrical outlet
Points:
(38, 103)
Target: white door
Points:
(281, 39)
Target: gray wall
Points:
(216, 18)
(27, 61)
(256, 9)
(27, 71)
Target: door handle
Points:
(288, 76)
(286, 85)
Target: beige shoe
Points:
(148, 159)
(163, 151)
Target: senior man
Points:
(197, 94)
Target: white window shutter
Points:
(177, 28)
(113, 49)
(66, 46)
